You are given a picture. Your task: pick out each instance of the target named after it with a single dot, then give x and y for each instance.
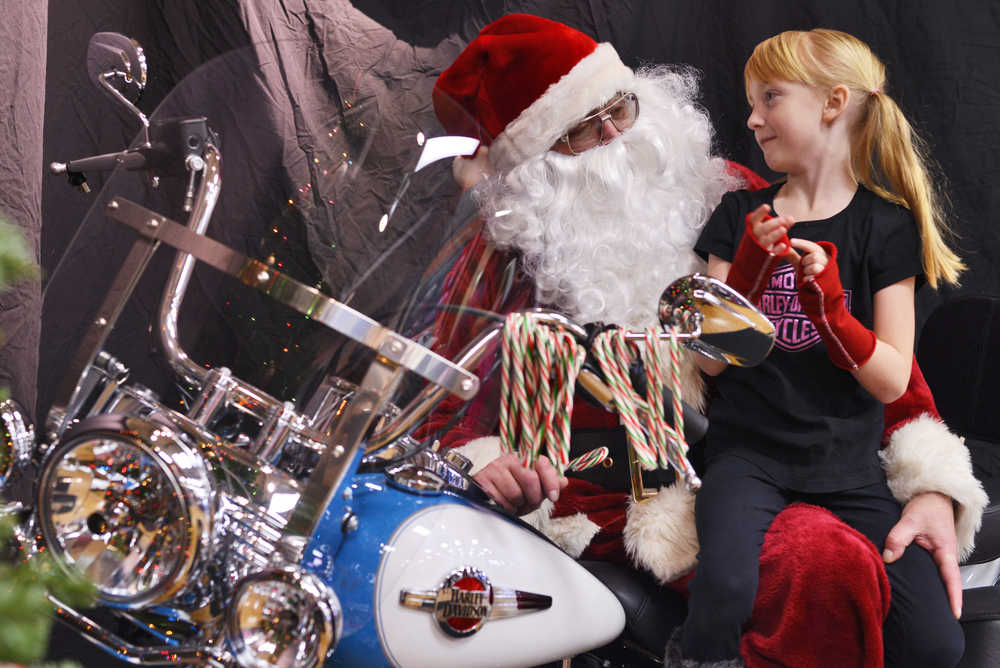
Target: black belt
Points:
(613, 473)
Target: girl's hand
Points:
(812, 258)
(770, 233)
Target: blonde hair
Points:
(887, 156)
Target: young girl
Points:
(855, 227)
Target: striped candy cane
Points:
(538, 374)
(654, 441)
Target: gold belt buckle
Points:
(640, 492)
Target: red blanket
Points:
(823, 595)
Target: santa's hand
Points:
(470, 171)
(929, 521)
(518, 489)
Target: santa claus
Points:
(594, 182)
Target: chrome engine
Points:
(181, 533)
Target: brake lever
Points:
(78, 180)
(131, 159)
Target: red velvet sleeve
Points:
(481, 280)
(752, 179)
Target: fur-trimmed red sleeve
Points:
(916, 401)
(921, 454)
(753, 180)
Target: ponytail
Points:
(890, 159)
(887, 155)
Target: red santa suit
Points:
(823, 589)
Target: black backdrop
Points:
(943, 59)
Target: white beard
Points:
(603, 233)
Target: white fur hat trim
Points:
(593, 81)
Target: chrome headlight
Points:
(283, 617)
(129, 503)
(17, 438)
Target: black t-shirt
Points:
(806, 422)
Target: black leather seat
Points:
(651, 610)
(981, 623)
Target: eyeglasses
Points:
(589, 132)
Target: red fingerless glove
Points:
(849, 343)
(752, 266)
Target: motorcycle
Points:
(284, 507)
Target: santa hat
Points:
(522, 82)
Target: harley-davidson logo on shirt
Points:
(780, 303)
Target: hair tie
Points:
(874, 91)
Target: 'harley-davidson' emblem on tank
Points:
(466, 599)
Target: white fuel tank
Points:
(439, 540)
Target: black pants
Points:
(733, 511)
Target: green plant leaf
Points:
(16, 261)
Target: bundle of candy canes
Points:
(540, 365)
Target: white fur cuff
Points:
(480, 451)
(572, 533)
(924, 456)
(660, 535)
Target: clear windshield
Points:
(322, 186)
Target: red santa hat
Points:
(522, 82)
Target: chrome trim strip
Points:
(303, 298)
(159, 655)
(343, 443)
(71, 389)
(423, 403)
